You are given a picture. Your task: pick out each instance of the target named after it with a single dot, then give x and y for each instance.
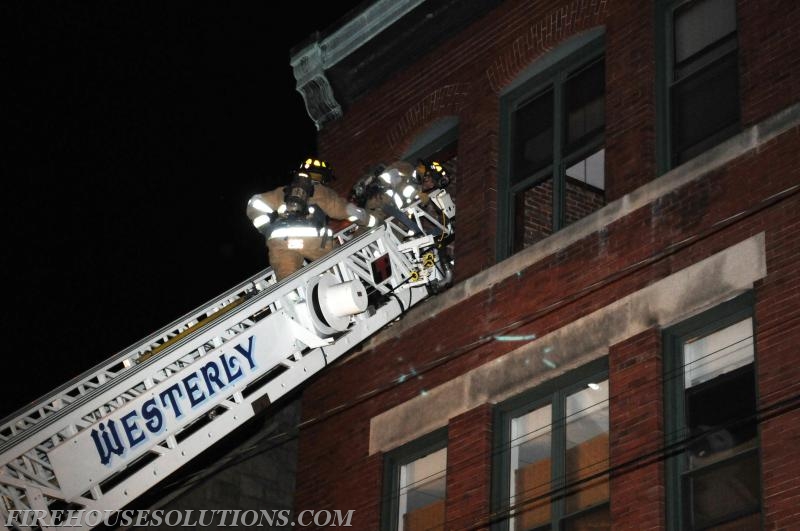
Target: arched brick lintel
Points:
(542, 36)
(447, 100)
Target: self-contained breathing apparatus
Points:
(296, 218)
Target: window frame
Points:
(393, 461)
(675, 426)
(553, 392)
(665, 67)
(577, 52)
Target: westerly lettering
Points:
(115, 438)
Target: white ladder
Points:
(107, 436)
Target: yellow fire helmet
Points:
(434, 170)
(316, 169)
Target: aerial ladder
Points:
(109, 435)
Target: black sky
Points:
(137, 132)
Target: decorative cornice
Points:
(309, 71)
(312, 61)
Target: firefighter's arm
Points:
(338, 208)
(333, 204)
(260, 208)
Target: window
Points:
(414, 485)
(699, 78)
(553, 146)
(551, 455)
(713, 482)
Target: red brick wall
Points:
(637, 432)
(336, 471)
(675, 231)
(769, 56)
(630, 97)
(469, 457)
(535, 215)
(535, 218)
(581, 200)
(572, 283)
(778, 334)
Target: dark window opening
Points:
(702, 76)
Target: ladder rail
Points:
(7, 424)
(106, 396)
(101, 395)
(29, 478)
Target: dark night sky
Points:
(138, 131)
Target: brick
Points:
(473, 68)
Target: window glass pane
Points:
(585, 104)
(587, 446)
(705, 108)
(722, 481)
(590, 170)
(422, 489)
(699, 24)
(724, 493)
(531, 446)
(532, 142)
(533, 214)
(595, 520)
(723, 351)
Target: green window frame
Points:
(711, 430)
(565, 496)
(697, 78)
(402, 488)
(540, 142)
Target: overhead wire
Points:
(283, 438)
(664, 451)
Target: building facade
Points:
(618, 348)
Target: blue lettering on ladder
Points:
(192, 391)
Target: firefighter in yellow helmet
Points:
(430, 175)
(294, 218)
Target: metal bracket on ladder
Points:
(106, 437)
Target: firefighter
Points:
(392, 188)
(386, 190)
(430, 175)
(294, 218)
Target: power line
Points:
(591, 288)
(556, 423)
(655, 456)
(667, 251)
